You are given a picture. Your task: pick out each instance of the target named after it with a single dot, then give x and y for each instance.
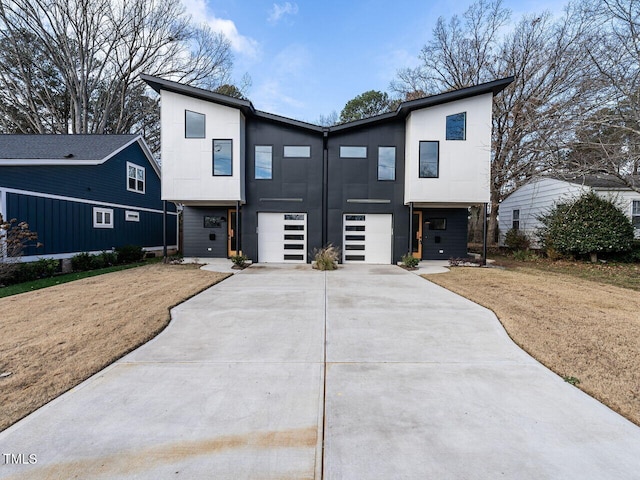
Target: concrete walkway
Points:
(396, 377)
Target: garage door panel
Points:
(367, 238)
(282, 237)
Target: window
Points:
(429, 152)
(222, 156)
(515, 219)
(212, 222)
(635, 214)
(193, 124)
(102, 217)
(353, 152)
(438, 224)
(457, 126)
(131, 216)
(264, 162)
(135, 178)
(297, 151)
(386, 163)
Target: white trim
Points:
(82, 200)
(131, 216)
(3, 215)
(60, 256)
(144, 180)
(103, 223)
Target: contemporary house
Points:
(276, 188)
(84, 193)
(522, 208)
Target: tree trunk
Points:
(594, 257)
(492, 229)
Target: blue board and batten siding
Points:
(57, 202)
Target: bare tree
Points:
(608, 135)
(530, 116)
(72, 66)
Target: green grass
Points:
(65, 278)
(625, 275)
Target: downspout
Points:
(410, 228)
(484, 235)
(237, 227)
(164, 231)
(325, 188)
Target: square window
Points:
(457, 126)
(297, 151)
(222, 158)
(135, 178)
(353, 152)
(386, 163)
(102, 217)
(264, 162)
(194, 124)
(429, 159)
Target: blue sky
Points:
(308, 58)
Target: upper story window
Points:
(102, 217)
(515, 219)
(429, 159)
(297, 151)
(635, 214)
(135, 178)
(222, 158)
(353, 152)
(386, 163)
(457, 126)
(264, 162)
(193, 124)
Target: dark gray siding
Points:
(452, 241)
(197, 241)
(67, 227)
(357, 178)
(297, 179)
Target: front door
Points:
(416, 235)
(231, 232)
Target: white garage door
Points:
(282, 237)
(367, 238)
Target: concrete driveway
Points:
(394, 376)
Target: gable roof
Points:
(401, 112)
(89, 149)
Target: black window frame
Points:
(437, 175)
(366, 151)
(395, 161)
(449, 133)
(255, 162)
(284, 151)
(213, 155)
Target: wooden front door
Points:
(416, 235)
(231, 232)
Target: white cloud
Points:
(239, 43)
(280, 10)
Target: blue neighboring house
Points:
(84, 193)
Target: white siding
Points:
(533, 200)
(187, 163)
(464, 165)
(624, 199)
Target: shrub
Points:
(239, 261)
(129, 254)
(45, 267)
(327, 257)
(524, 255)
(82, 262)
(409, 261)
(14, 238)
(108, 259)
(587, 225)
(517, 240)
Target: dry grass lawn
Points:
(53, 339)
(576, 327)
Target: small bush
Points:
(46, 267)
(553, 254)
(326, 258)
(108, 259)
(524, 256)
(239, 261)
(82, 262)
(129, 254)
(409, 261)
(517, 240)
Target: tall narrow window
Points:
(429, 159)
(515, 220)
(635, 214)
(386, 163)
(264, 162)
(457, 126)
(193, 124)
(135, 178)
(222, 158)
